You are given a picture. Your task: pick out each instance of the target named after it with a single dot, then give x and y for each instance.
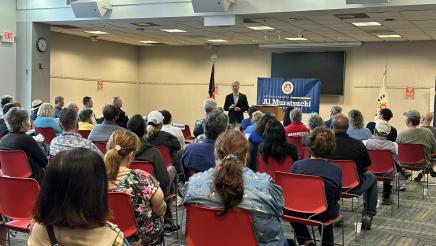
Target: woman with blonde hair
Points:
(45, 118)
(147, 197)
(357, 128)
(232, 185)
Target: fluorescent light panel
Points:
(261, 28)
(370, 23)
(217, 40)
(296, 39)
(389, 36)
(172, 30)
(148, 42)
(97, 32)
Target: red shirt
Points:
(296, 129)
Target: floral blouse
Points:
(141, 186)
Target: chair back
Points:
(302, 193)
(165, 152)
(187, 132)
(14, 163)
(101, 146)
(122, 213)
(144, 166)
(296, 140)
(411, 154)
(18, 197)
(84, 133)
(382, 161)
(350, 177)
(191, 172)
(47, 132)
(233, 228)
(272, 166)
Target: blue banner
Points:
(298, 93)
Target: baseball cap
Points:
(413, 115)
(155, 117)
(383, 127)
(36, 103)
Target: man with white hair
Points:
(208, 106)
(236, 103)
(296, 128)
(336, 109)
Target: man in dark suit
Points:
(236, 103)
(122, 117)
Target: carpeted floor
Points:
(413, 224)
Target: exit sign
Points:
(8, 37)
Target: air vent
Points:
(145, 24)
(255, 20)
(66, 26)
(352, 16)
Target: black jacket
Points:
(3, 128)
(236, 116)
(147, 152)
(168, 140)
(35, 155)
(122, 118)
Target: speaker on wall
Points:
(366, 1)
(211, 5)
(91, 8)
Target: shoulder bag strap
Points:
(51, 236)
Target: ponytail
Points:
(151, 131)
(229, 183)
(112, 161)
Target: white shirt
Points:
(177, 132)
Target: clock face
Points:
(42, 45)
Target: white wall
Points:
(8, 50)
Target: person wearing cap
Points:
(102, 132)
(379, 141)
(236, 103)
(35, 107)
(418, 135)
(384, 114)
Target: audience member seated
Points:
(45, 118)
(348, 148)
(296, 128)
(246, 122)
(419, 135)
(5, 99)
(426, 122)
(59, 107)
(384, 114)
(199, 157)
(208, 105)
(168, 127)
(232, 185)
(85, 120)
(255, 139)
(70, 139)
(147, 197)
(313, 122)
(122, 118)
(72, 204)
(336, 109)
(274, 144)
(73, 106)
(3, 127)
(35, 107)
(255, 117)
(356, 129)
(321, 142)
(102, 132)
(88, 103)
(17, 120)
(287, 116)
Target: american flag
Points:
(382, 100)
(212, 82)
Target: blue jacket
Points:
(51, 122)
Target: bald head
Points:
(339, 123)
(427, 119)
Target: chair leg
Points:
(343, 234)
(314, 237)
(322, 234)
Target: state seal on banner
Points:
(287, 87)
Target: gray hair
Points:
(209, 105)
(58, 99)
(314, 121)
(296, 115)
(335, 110)
(216, 122)
(115, 100)
(355, 118)
(15, 118)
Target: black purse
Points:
(51, 236)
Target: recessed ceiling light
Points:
(296, 39)
(370, 23)
(389, 36)
(217, 40)
(172, 30)
(261, 28)
(96, 32)
(148, 42)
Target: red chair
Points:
(14, 163)
(17, 199)
(191, 172)
(122, 213)
(165, 152)
(84, 133)
(187, 132)
(233, 228)
(412, 157)
(305, 194)
(47, 132)
(101, 146)
(144, 166)
(297, 142)
(272, 166)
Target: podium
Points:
(272, 109)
